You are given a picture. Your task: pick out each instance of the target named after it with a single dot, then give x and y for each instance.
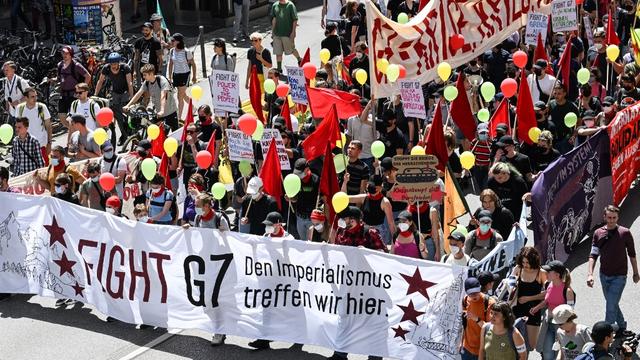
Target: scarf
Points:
(406, 234)
(159, 193)
(307, 177)
(484, 237)
(279, 233)
(377, 196)
(413, 208)
(354, 229)
(60, 166)
(208, 217)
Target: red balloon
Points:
(104, 116)
(204, 159)
(509, 87)
(247, 124)
(282, 90)
(107, 181)
(579, 2)
(456, 41)
(309, 71)
(520, 59)
(403, 72)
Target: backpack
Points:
(484, 314)
(219, 215)
(587, 355)
(20, 110)
(367, 234)
(92, 111)
(492, 240)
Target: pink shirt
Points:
(554, 296)
(408, 249)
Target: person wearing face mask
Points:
(540, 83)
(481, 148)
(407, 240)
(628, 89)
(353, 232)
(376, 208)
(187, 164)
(361, 59)
(481, 241)
(559, 107)
(487, 279)
(306, 198)
(509, 154)
(274, 226)
(426, 216)
(391, 136)
(113, 205)
(587, 101)
(597, 89)
(609, 109)
(475, 313)
(206, 216)
(195, 187)
(160, 201)
(318, 230)
(545, 153)
(208, 126)
(91, 193)
(456, 247)
(590, 125)
(113, 164)
(542, 119)
(528, 290)
(255, 207)
(56, 167)
(62, 189)
(502, 218)
(141, 213)
(389, 180)
(143, 151)
(509, 185)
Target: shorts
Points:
(283, 44)
(180, 80)
(64, 104)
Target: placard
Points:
(536, 24)
(225, 90)
(297, 83)
(587, 29)
(416, 178)
(563, 15)
(282, 152)
(412, 99)
(239, 145)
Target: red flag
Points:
(255, 93)
(612, 37)
(211, 146)
(328, 130)
(461, 111)
(321, 100)
(271, 174)
(525, 115)
(501, 116)
(285, 112)
(564, 66)
(541, 54)
(306, 57)
(188, 120)
(157, 145)
(435, 144)
(329, 180)
(163, 169)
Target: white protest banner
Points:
(297, 84)
(282, 152)
(225, 90)
(536, 24)
(344, 298)
(563, 15)
(587, 29)
(240, 146)
(412, 99)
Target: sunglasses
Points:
(255, 40)
(80, 92)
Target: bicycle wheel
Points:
(132, 142)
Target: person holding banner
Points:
(456, 248)
(58, 166)
(481, 241)
(255, 207)
(319, 229)
(353, 232)
(63, 189)
(160, 201)
(92, 195)
(475, 313)
(206, 217)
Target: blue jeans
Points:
(549, 339)
(466, 355)
(303, 225)
(244, 228)
(612, 287)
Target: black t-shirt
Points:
(206, 131)
(392, 9)
(332, 43)
(119, 82)
(541, 161)
(358, 171)
(557, 113)
(454, 162)
(510, 192)
(393, 140)
(354, 21)
(623, 93)
(258, 212)
(404, 8)
(148, 51)
(520, 161)
(251, 56)
(307, 197)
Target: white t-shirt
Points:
(84, 110)
(333, 10)
(36, 125)
(12, 90)
(117, 165)
(571, 345)
(546, 84)
(451, 260)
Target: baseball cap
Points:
(457, 236)
(498, 97)
(144, 145)
(539, 105)
(589, 114)
(113, 202)
(506, 140)
(106, 146)
(472, 286)
(540, 64)
(484, 215)
(486, 277)
(177, 37)
(562, 313)
(155, 16)
(555, 266)
(273, 217)
(299, 167)
(502, 127)
(608, 101)
(148, 25)
(375, 180)
(254, 185)
(404, 215)
(386, 163)
(351, 211)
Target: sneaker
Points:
(260, 344)
(218, 339)
(61, 302)
(234, 40)
(144, 327)
(70, 302)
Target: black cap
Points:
(375, 180)
(386, 164)
(502, 127)
(144, 145)
(539, 105)
(608, 101)
(589, 114)
(484, 214)
(106, 145)
(351, 211)
(506, 140)
(486, 277)
(540, 64)
(472, 286)
(273, 217)
(555, 266)
(177, 37)
(404, 215)
(331, 26)
(457, 236)
(498, 97)
(300, 166)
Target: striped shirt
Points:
(26, 155)
(180, 60)
(482, 151)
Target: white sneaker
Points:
(218, 339)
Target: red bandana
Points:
(208, 217)
(157, 194)
(60, 166)
(377, 196)
(406, 234)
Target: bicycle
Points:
(139, 118)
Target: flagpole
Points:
(418, 213)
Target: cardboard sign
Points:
(297, 82)
(412, 99)
(225, 90)
(563, 15)
(239, 145)
(416, 177)
(282, 153)
(536, 24)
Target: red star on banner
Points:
(400, 332)
(65, 264)
(410, 313)
(78, 289)
(56, 233)
(416, 284)
(437, 195)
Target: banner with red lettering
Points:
(425, 41)
(624, 132)
(344, 298)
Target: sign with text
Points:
(416, 178)
(587, 29)
(412, 99)
(225, 90)
(563, 15)
(624, 132)
(240, 146)
(339, 297)
(297, 83)
(282, 152)
(536, 24)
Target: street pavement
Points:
(32, 328)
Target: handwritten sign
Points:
(416, 177)
(240, 146)
(282, 153)
(297, 82)
(536, 24)
(412, 99)
(225, 90)
(563, 15)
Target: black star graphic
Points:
(65, 264)
(78, 289)
(416, 284)
(400, 332)
(410, 313)
(56, 233)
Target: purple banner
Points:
(569, 197)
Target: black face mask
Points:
(371, 189)
(539, 116)
(202, 118)
(473, 62)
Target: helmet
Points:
(114, 58)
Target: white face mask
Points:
(433, 204)
(59, 190)
(269, 229)
(95, 178)
(318, 227)
(359, 55)
(144, 219)
(55, 161)
(108, 154)
(403, 227)
(454, 249)
(199, 211)
(598, 46)
(255, 196)
(342, 224)
(110, 210)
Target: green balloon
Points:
(218, 190)
(377, 149)
(483, 115)
(292, 185)
(269, 86)
(149, 168)
(571, 119)
(488, 91)
(245, 168)
(339, 161)
(403, 18)
(6, 133)
(461, 229)
(583, 76)
(450, 93)
(257, 134)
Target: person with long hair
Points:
(530, 279)
(509, 185)
(495, 343)
(406, 240)
(502, 218)
(181, 65)
(221, 59)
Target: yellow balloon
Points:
(99, 136)
(170, 146)
(534, 134)
(153, 131)
(393, 71)
(340, 201)
(196, 92)
(417, 150)
(382, 64)
(467, 159)
(325, 55)
(444, 70)
(361, 76)
(343, 140)
(613, 51)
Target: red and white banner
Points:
(624, 133)
(424, 42)
(343, 298)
